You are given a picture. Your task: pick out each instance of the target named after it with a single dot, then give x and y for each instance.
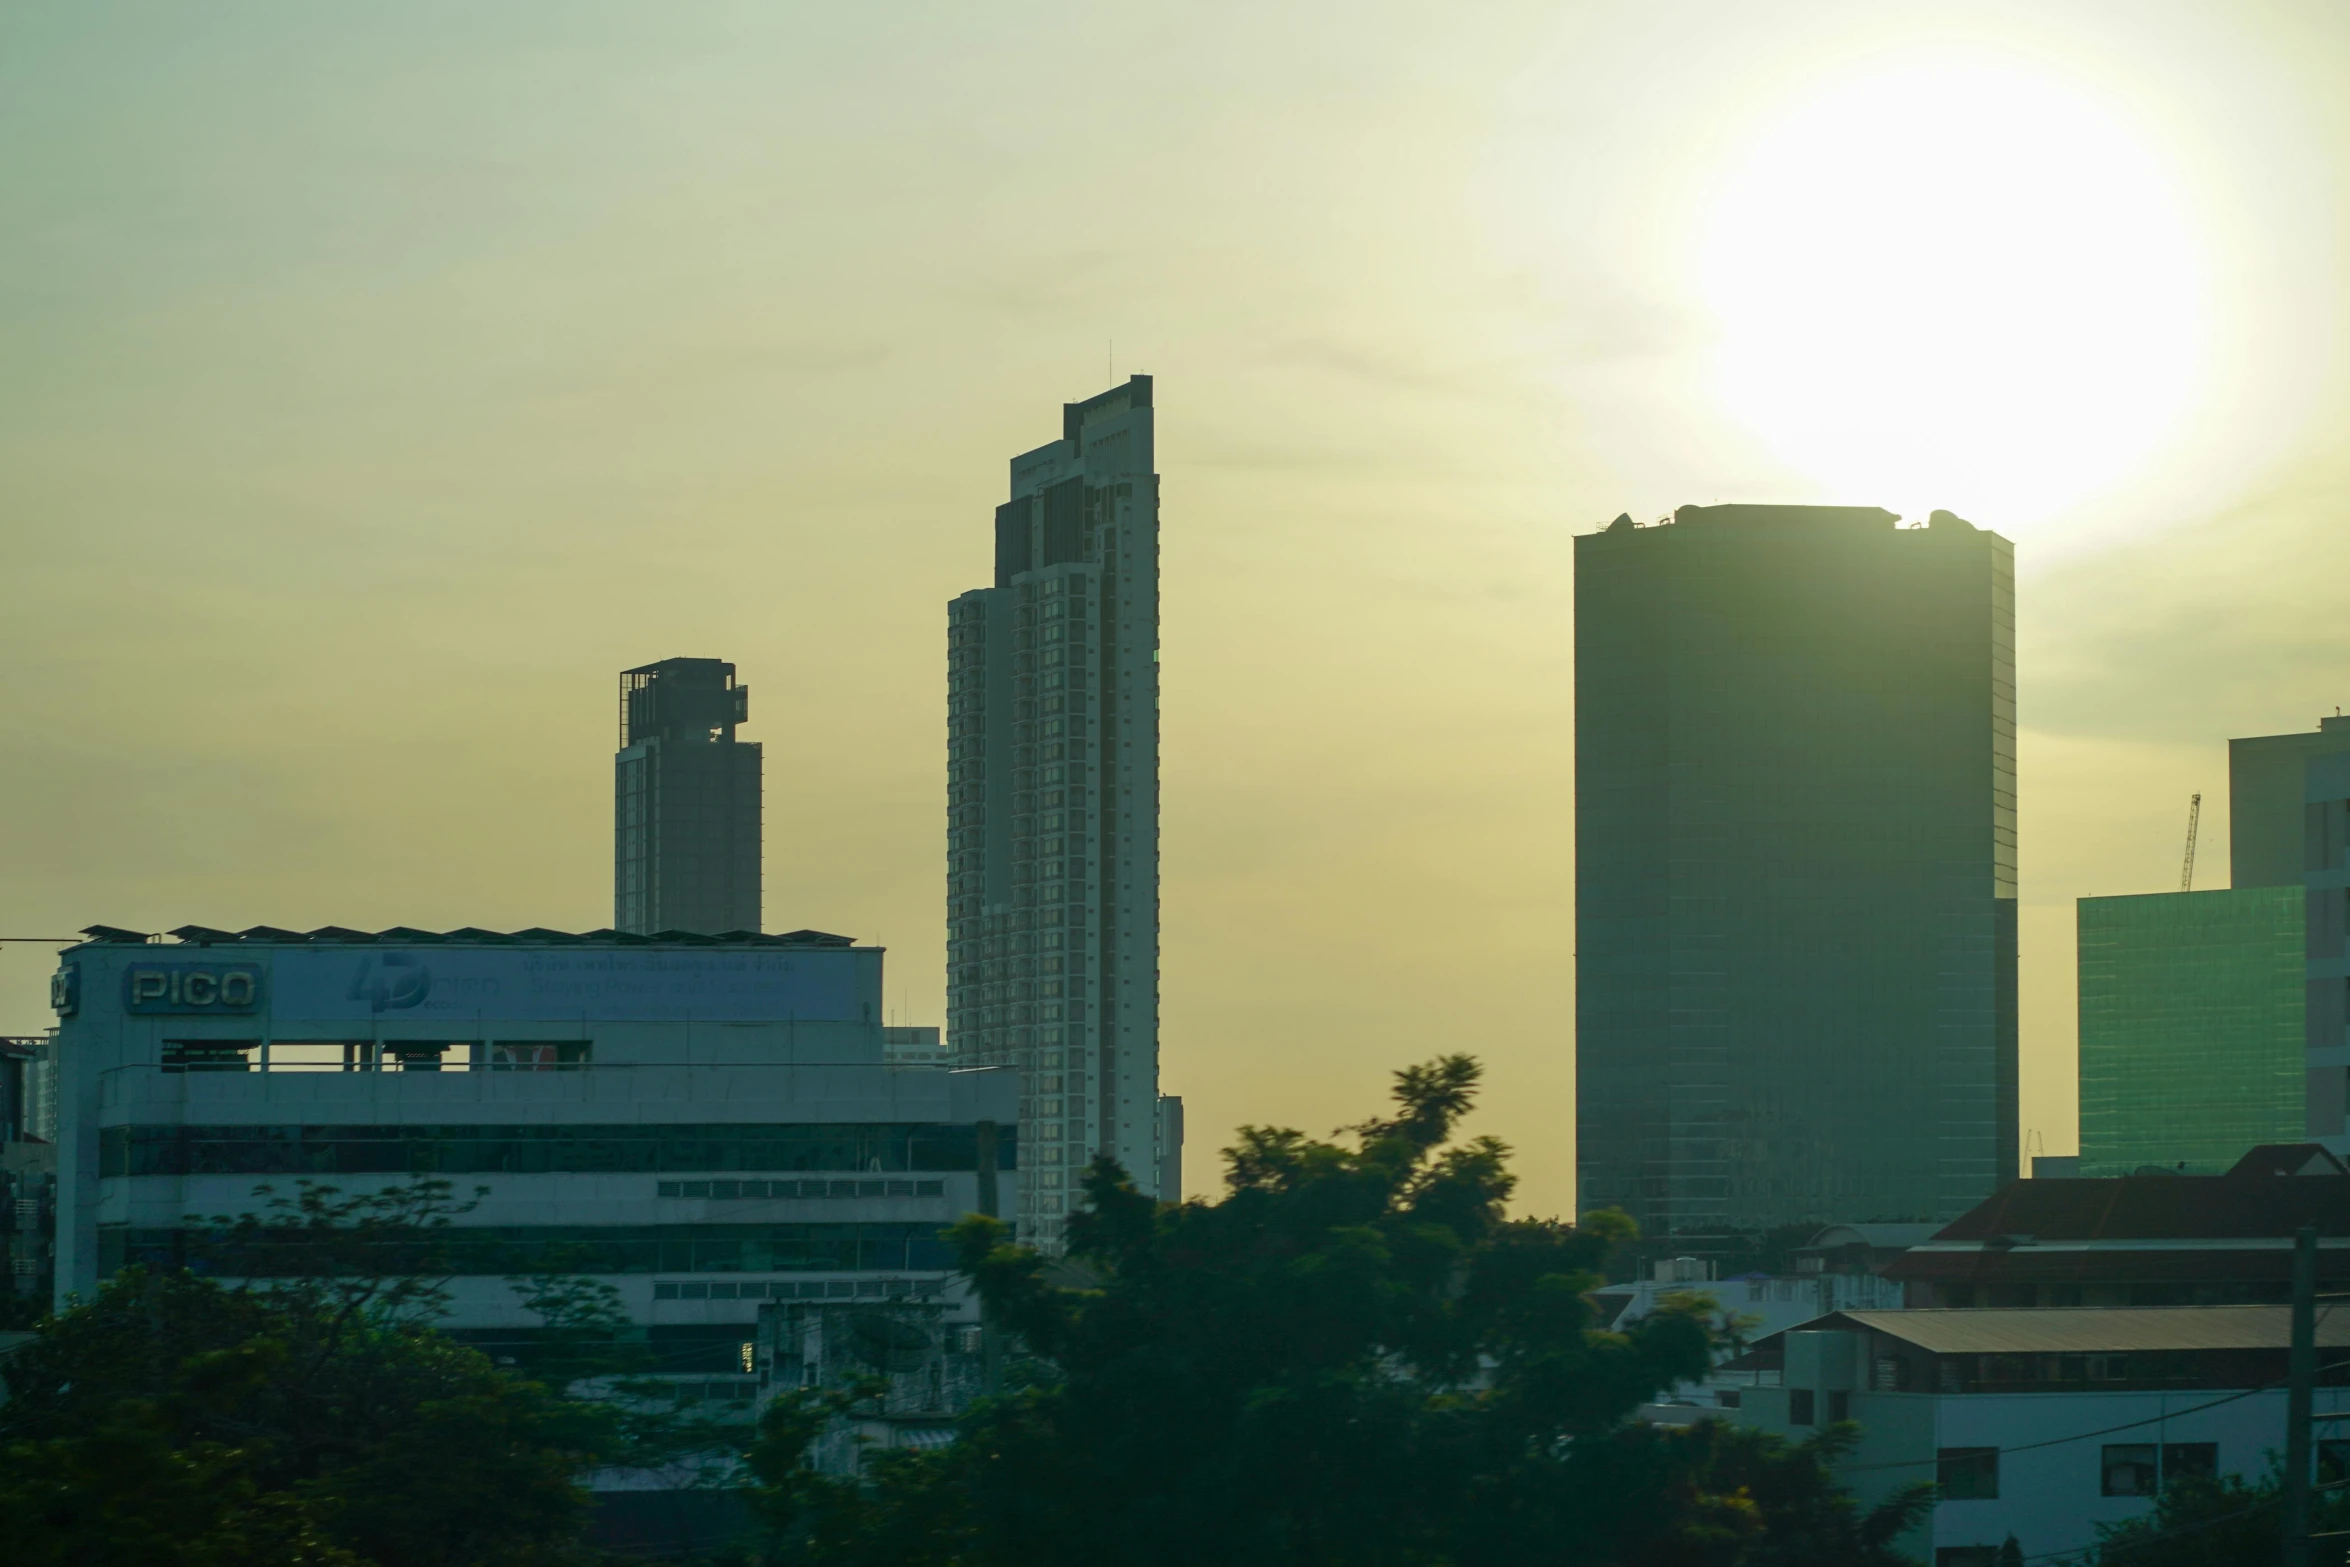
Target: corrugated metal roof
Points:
(2155, 1207)
(2091, 1329)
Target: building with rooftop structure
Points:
(1795, 872)
(2202, 1030)
(686, 809)
(1053, 807)
(707, 1124)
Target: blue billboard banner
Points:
(624, 985)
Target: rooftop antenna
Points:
(2187, 867)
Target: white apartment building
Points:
(2038, 1423)
(1053, 809)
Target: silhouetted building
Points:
(686, 802)
(1795, 868)
(2265, 801)
(1053, 803)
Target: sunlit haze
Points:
(1956, 285)
(379, 381)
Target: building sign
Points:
(191, 988)
(65, 990)
(404, 984)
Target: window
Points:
(474, 1149)
(2130, 1469)
(1967, 1474)
(1839, 1407)
(532, 1055)
(2189, 1461)
(1800, 1411)
(207, 1055)
(2333, 1462)
(425, 1055)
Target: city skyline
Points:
(356, 437)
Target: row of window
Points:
(722, 1190)
(472, 1250)
(1971, 1474)
(371, 1055)
(544, 1150)
(785, 1289)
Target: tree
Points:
(2202, 1521)
(315, 1417)
(1354, 1358)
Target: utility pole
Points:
(2300, 1396)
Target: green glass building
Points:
(1794, 868)
(2191, 1027)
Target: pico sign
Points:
(152, 988)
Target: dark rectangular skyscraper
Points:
(686, 802)
(1795, 867)
(1053, 805)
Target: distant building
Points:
(2038, 1425)
(1794, 868)
(2266, 778)
(2326, 901)
(929, 1367)
(2190, 1027)
(706, 1125)
(1053, 804)
(28, 1177)
(686, 806)
(913, 1047)
(2140, 1240)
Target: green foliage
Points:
(2199, 1521)
(1353, 1358)
(318, 1420)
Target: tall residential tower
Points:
(1794, 868)
(685, 812)
(1053, 806)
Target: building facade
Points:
(686, 802)
(2190, 1027)
(2267, 775)
(1053, 804)
(2325, 883)
(705, 1125)
(1795, 868)
(2037, 1426)
(28, 1179)
(2140, 1240)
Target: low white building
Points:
(708, 1125)
(1746, 1308)
(2042, 1423)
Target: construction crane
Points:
(2187, 867)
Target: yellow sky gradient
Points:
(375, 383)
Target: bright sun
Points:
(1958, 286)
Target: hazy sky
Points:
(377, 381)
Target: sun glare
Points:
(1959, 286)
